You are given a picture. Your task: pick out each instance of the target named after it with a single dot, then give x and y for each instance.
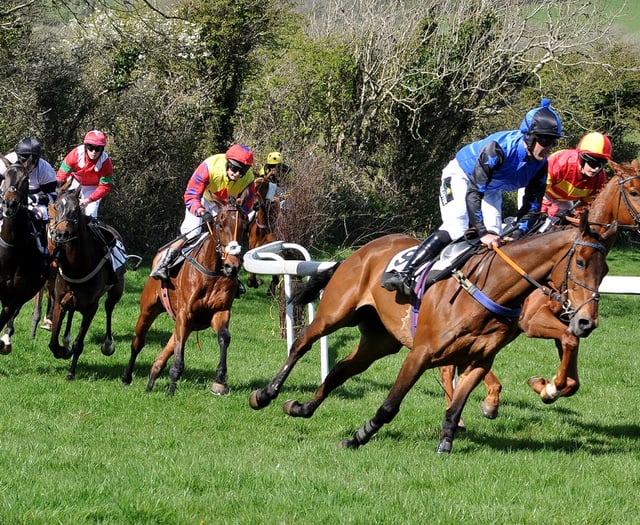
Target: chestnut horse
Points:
(82, 254)
(23, 268)
(618, 201)
(262, 229)
(452, 326)
(200, 294)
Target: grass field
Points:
(93, 451)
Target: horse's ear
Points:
(609, 237)
(5, 160)
(78, 192)
(584, 222)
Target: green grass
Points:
(93, 451)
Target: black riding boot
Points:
(403, 281)
(161, 270)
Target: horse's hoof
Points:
(461, 428)
(5, 349)
(46, 325)
(289, 407)
(108, 350)
(218, 389)
(536, 383)
(255, 402)
(445, 446)
(71, 377)
(489, 411)
(348, 443)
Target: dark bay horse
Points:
(452, 327)
(618, 201)
(23, 268)
(199, 295)
(263, 227)
(83, 256)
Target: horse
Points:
(82, 254)
(262, 229)
(200, 294)
(463, 320)
(618, 201)
(23, 267)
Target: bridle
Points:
(624, 197)
(10, 206)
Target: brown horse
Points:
(618, 201)
(200, 294)
(23, 268)
(83, 256)
(263, 227)
(452, 327)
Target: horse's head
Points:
(625, 204)
(231, 226)
(14, 188)
(64, 217)
(581, 273)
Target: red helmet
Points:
(95, 138)
(595, 145)
(240, 153)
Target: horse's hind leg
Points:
(78, 344)
(375, 343)
(160, 362)
(321, 325)
(150, 309)
(180, 334)
(37, 312)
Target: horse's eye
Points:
(633, 193)
(581, 264)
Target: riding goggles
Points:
(593, 162)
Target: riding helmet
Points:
(29, 146)
(274, 158)
(542, 120)
(95, 138)
(240, 153)
(595, 144)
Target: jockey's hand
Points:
(206, 217)
(491, 239)
(83, 203)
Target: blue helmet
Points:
(542, 121)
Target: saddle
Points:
(451, 258)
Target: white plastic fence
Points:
(266, 260)
(621, 285)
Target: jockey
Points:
(223, 175)
(473, 182)
(274, 169)
(91, 169)
(42, 183)
(576, 175)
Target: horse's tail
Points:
(316, 283)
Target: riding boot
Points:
(241, 289)
(161, 270)
(404, 280)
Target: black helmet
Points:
(29, 146)
(542, 120)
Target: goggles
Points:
(593, 162)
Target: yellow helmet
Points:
(596, 145)
(275, 157)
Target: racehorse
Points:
(23, 268)
(200, 294)
(618, 201)
(452, 326)
(262, 229)
(82, 253)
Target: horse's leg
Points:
(150, 309)
(253, 281)
(160, 361)
(78, 344)
(321, 325)
(220, 325)
(37, 312)
(416, 362)
(58, 315)
(566, 382)
(467, 381)
(180, 334)
(113, 296)
(5, 341)
(273, 286)
(375, 343)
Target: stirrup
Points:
(397, 282)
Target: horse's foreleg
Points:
(5, 341)
(467, 381)
(78, 344)
(108, 348)
(253, 281)
(220, 325)
(416, 362)
(150, 309)
(372, 346)
(565, 383)
(58, 315)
